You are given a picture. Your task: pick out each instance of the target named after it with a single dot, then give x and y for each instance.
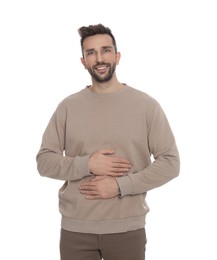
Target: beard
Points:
(104, 78)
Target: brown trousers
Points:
(120, 246)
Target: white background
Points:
(169, 51)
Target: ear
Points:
(118, 57)
(83, 62)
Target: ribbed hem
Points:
(103, 226)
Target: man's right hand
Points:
(100, 164)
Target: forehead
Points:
(97, 41)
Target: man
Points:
(99, 141)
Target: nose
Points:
(99, 57)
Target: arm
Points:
(166, 163)
(164, 168)
(52, 163)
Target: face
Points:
(99, 57)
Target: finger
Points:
(121, 165)
(93, 197)
(120, 160)
(87, 185)
(87, 189)
(89, 193)
(120, 170)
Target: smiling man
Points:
(100, 142)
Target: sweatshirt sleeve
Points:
(166, 164)
(51, 161)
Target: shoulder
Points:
(71, 100)
(142, 97)
(70, 104)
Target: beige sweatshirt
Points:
(128, 121)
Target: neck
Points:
(106, 87)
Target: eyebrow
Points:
(103, 47)
(89, 50)
(107, 47)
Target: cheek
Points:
(88, 63)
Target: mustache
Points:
(101, 63)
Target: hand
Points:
(102, 164)
(100, 187)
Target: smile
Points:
(101, 68)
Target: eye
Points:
(89, 53)
(107, 50)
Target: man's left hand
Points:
(100, 187)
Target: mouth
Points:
(101, 68)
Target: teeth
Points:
(101, 68)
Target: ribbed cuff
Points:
(125, 185)
(81, 164)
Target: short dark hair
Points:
(91, 30)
